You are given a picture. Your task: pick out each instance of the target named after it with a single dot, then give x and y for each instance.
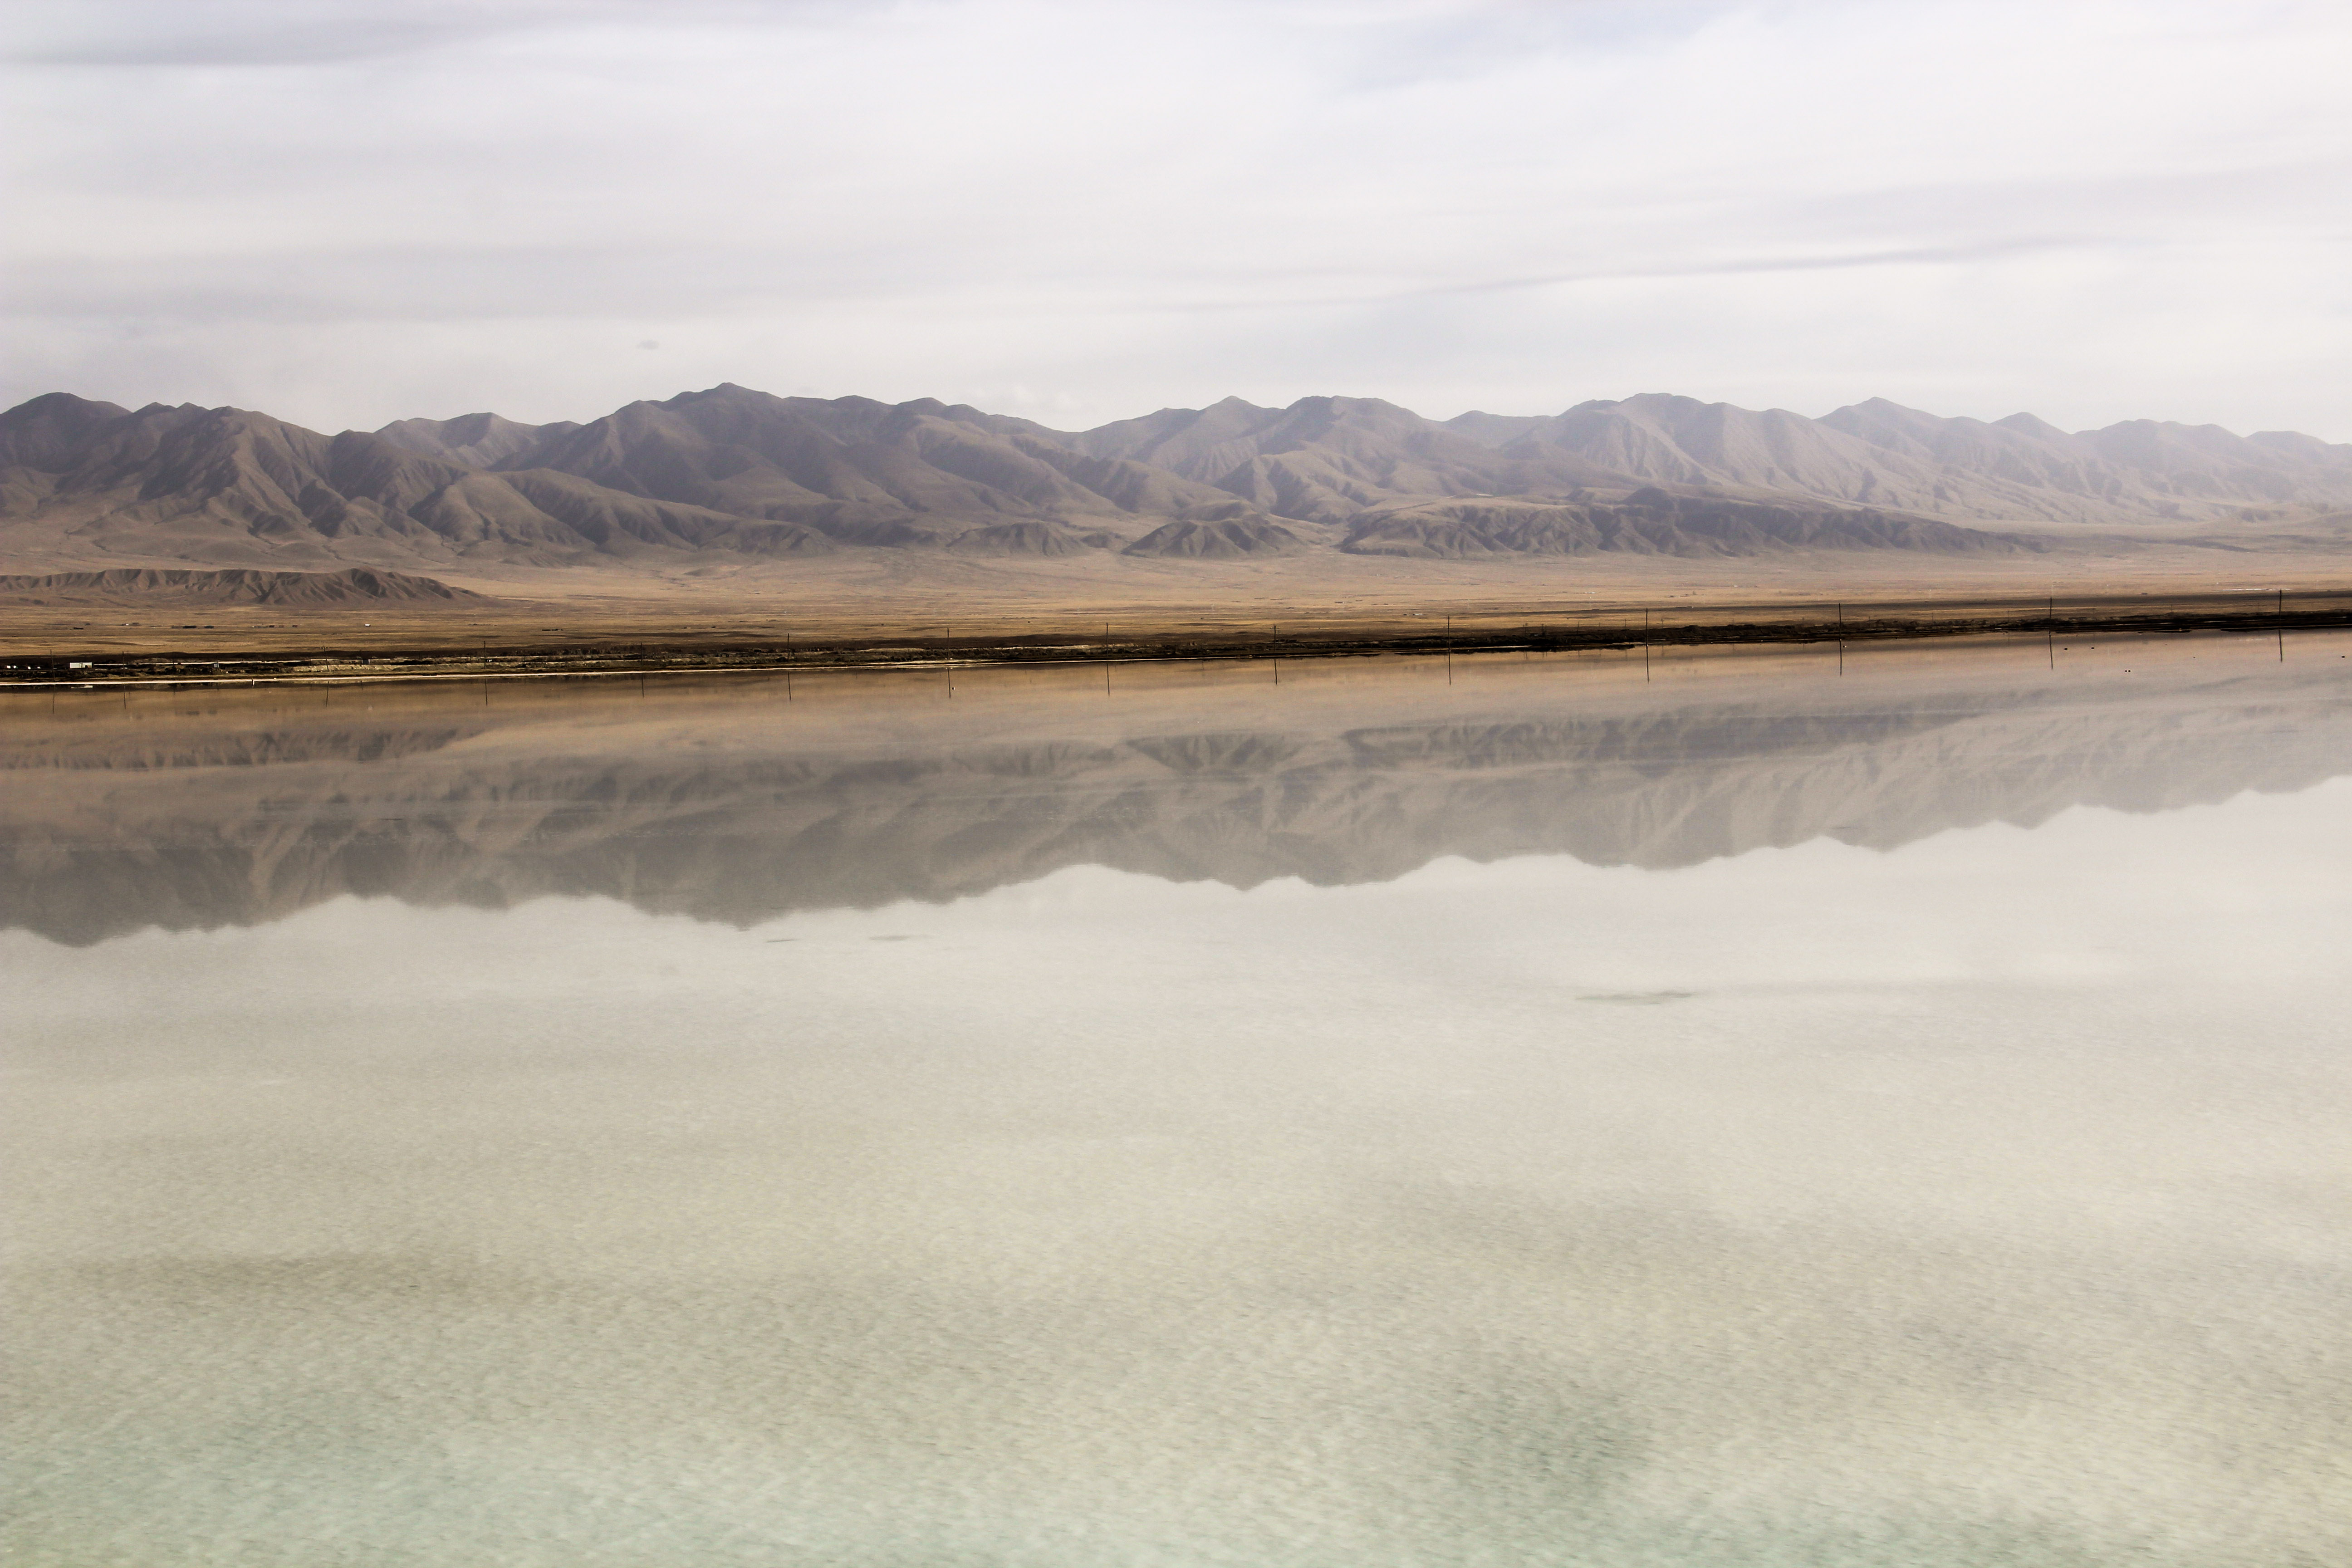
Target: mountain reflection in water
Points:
(741, 800)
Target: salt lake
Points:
(1330, 1114)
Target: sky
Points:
(346, 212)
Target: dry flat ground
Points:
(932, 597)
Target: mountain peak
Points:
(2031, 425)
(57, 405)
(44, 432)
(480, 440)
(1673, 401)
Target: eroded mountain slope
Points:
(734, 474)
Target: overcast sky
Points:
(348, 211)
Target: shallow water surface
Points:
(1522, 1113)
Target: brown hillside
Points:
(125, 586)
(734, 476)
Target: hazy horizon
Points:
(2112, 210)
(588, 416)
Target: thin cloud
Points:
(208, 34)
(1926, 255)
(350, 212)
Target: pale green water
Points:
(1899, 1121)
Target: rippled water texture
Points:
(1517, 1114)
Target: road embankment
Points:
(1682, 626)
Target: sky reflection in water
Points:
(1739, 1118)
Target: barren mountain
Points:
(1322, 459)
(222, 485)
(734, 474)
(478, 440)
(1651, 521)
(862, 472)
(135, 584)
(1221, 538)
(1882, 454)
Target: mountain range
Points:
(734, 473)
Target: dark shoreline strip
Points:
(765, 656)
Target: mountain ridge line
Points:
(730, 474)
